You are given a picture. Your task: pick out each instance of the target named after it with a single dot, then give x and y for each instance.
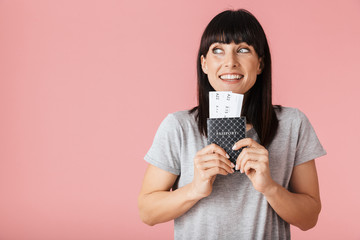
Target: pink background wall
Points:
(85, 84)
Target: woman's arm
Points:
(158, 204)
(301, 205)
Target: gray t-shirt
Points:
(234, 209)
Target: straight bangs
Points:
(231, 27)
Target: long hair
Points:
(239, 26)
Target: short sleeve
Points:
(165, 151)
(308, 145)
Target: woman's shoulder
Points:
(289, 114)
(182, 116)
(182, 119)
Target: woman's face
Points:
(231, 67)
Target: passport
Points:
(225, 132)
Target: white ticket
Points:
(224, 104)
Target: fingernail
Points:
(234, 147)
(232, 170)
(236, 167)
(241, 171)
(227, 155)
(232, 165)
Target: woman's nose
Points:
(231, 60)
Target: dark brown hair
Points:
(240, 26)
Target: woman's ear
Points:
(261, 66)
(203, 64)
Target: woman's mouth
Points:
(231, 78)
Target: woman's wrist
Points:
(192, 194)
(271, 190)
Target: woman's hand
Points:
(209, 162)
(254, 162)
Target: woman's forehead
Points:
(224, 38)
(225, 43)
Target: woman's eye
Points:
(243, 50)
(217, 50)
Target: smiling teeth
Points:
(231, 77)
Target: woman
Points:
(277, 184)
